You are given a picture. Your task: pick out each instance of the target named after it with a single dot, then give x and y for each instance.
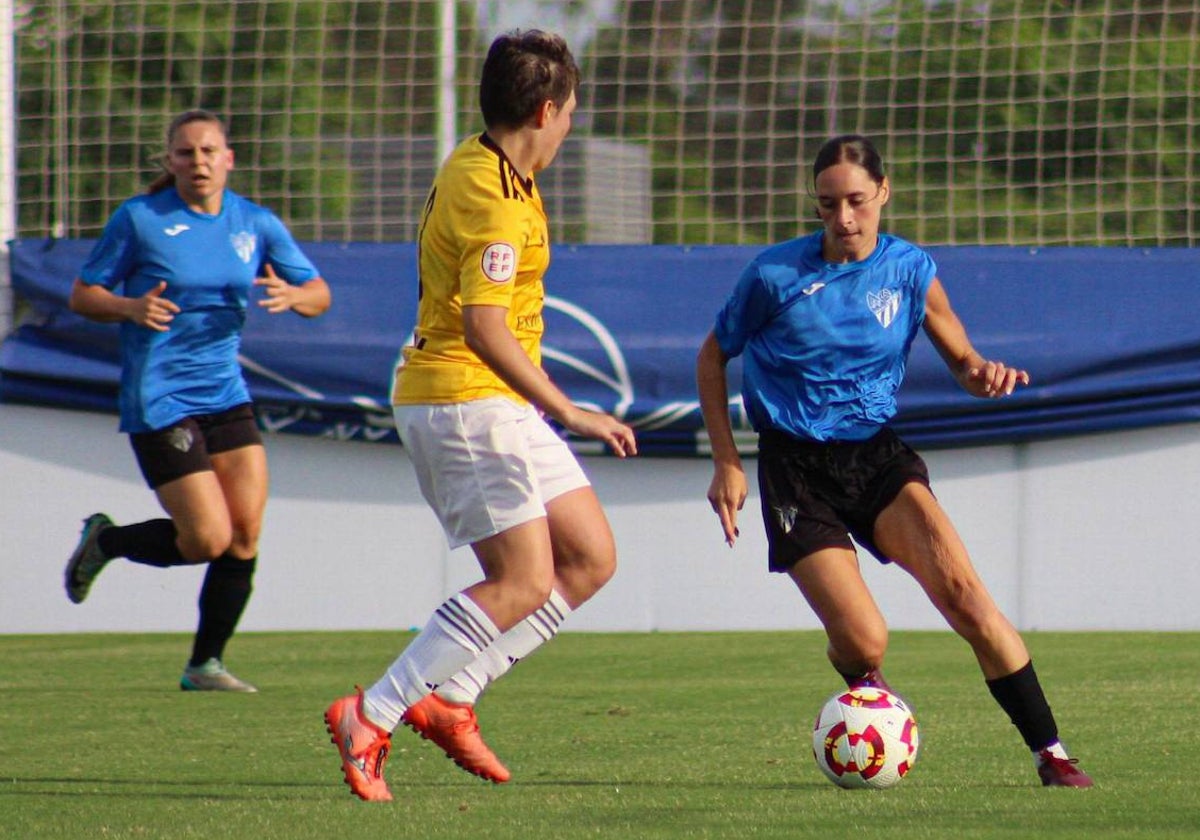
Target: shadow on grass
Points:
(60, 786)
(10, 785)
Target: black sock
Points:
(1020, 695)
(151, 543)
(223, 597)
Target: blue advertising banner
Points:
(1109, 336)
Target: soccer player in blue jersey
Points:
(824, 324)
(175, 268)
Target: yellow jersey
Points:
(483, 239)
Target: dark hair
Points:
(522, 70)
(167, 179)
(849, 148)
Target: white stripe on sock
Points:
(494, 662)
(457, 633)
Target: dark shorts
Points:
(818, 495)
(184, 448)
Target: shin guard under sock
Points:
(1020, 695)
(227, 587)
(151, 543)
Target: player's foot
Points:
(1061, 772)
(362, 745)
(454, 728)
(87, 559)
(871, 679)
(212, 676)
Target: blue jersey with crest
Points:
(209, 263)
(825, 344)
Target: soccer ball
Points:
(865, 738)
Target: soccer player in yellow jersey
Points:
(469, 401)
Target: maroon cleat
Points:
(1061, 772)
(871, 679)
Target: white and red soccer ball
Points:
(865, 738)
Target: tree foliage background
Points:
(1035, 122)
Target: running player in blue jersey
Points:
(175, 268)
(824, 324)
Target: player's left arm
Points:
(290, 280)
(310, 298)
(486, 332)
(978, 376)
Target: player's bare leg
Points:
(917, 533)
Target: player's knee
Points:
(602, 568)
(203, 547)
(582, 576)
(533, 595)
(244, 542)
(528, 587)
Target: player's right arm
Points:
(486, 332)
(109, 264)
(727, 491)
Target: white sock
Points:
(456, 634)
(527, 636)
(1056, 749)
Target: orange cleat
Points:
(362, 745)
(454, 728)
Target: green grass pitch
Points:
(659, 735)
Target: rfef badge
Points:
(499, 262)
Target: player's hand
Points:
(609, 430)
(152, 310)
(727, 495)
(993, 379)
(281, 295)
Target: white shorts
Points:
(487, 465)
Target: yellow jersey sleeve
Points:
(483, 241)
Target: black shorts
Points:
(818, 495)
(184, 448)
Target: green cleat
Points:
(87, 560)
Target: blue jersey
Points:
(825, 344)
(209, 263)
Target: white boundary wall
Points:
(1086, 533)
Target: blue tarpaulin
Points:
(1110, 337)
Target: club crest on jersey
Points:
(884, 306)
(244, 245)
(499, 262)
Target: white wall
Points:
(1096, 532)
